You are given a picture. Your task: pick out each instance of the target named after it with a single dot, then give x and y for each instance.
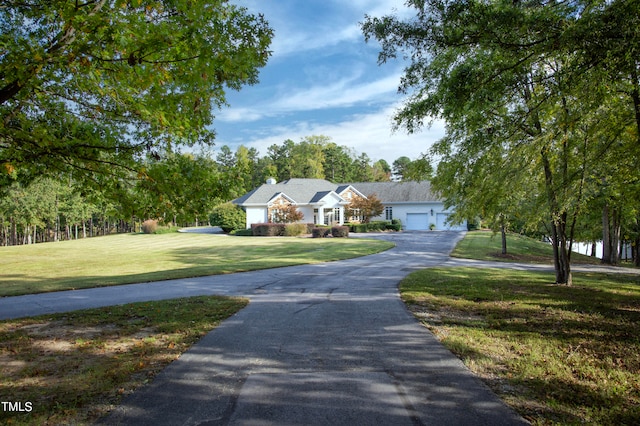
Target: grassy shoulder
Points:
(486, 245)
(557, 354)
(73, 368)
(133, 258)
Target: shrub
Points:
(340, 231)
(295, 229)
(397, 226)
(149, 226)
(229, 217)
(358, 227)
(377, 226)
(268, 229)
(320, 232)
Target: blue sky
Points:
(322, 79)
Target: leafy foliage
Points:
(229, 217)
(91, 85)
(526, 91)
(366, 208)
(286, 214)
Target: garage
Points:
(417, 221)
(441, 223)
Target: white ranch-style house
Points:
(325, 203)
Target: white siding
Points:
(307, 212)
(256, 215)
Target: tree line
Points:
(176, 188)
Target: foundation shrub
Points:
(377, 226)
(268, 229)
(320, 232)
(358, 227)
(295, 229)
(340, 231)
(395, 225)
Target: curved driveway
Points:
(328, 344)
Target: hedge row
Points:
(377, 226)
(336, 231)
(276, 229)
(284, 229)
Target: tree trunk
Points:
(503, 231)
(606, 238)
(14, 232)
(611, 230)
(561, 258)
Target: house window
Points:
(356, 216)
(275, 213)
(388, 213)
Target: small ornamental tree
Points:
(366, 207)
(286, 214)
(229, 217)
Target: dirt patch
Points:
(435, 317)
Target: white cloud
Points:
(295, 32)
(366, 133)
(345, 92)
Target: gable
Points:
(328, 198)
(348, 192)
(281, 199)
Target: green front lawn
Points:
(557, 354)
(133, 258)
(486, 245)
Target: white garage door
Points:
(417, 221)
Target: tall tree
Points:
(94, 84)
(400, 166)
(518, 68)
(338, 161)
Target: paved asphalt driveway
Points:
(328, 344)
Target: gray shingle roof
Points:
(398, 192)
(305, 191)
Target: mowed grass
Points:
(133, 258)
(557, 354)
(486, 245)
(73, 368)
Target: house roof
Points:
(398, 192)
(303, 191)
(309, 191)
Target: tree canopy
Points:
(92, 84)
(534, 94)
